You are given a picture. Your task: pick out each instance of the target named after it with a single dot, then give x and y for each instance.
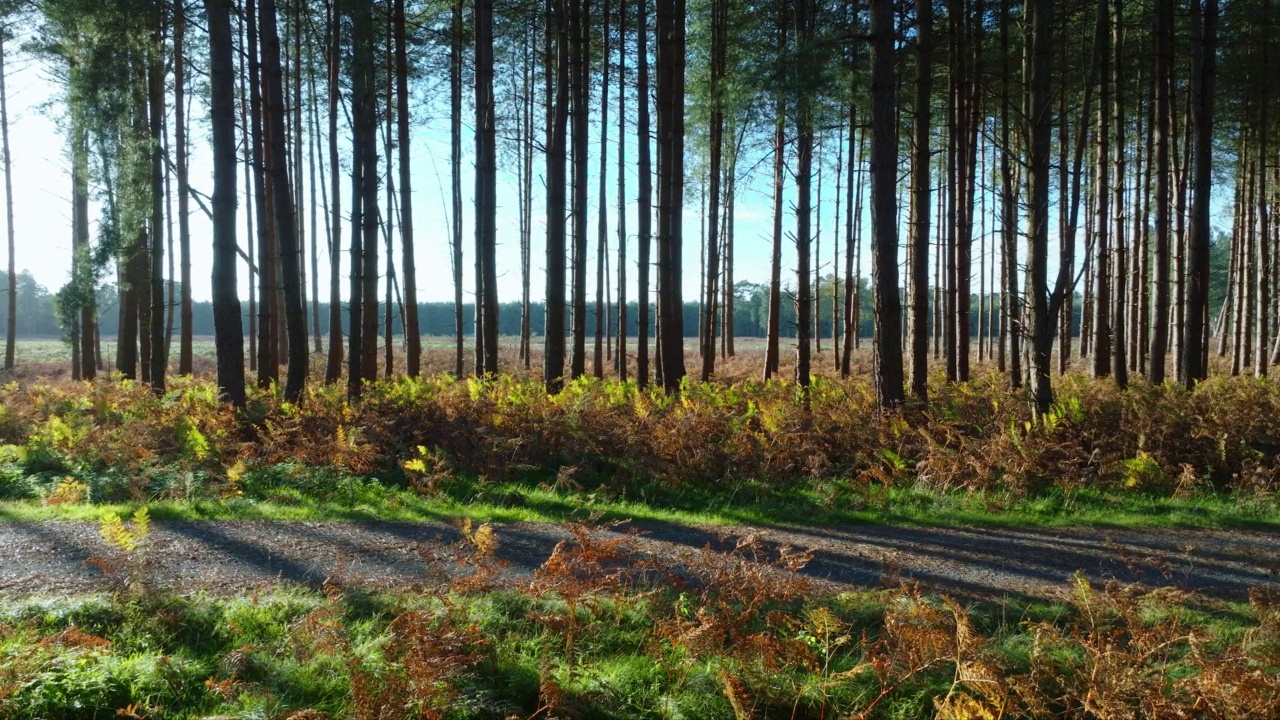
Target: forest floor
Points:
(226, 558)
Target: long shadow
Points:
(397, 560)
(1207, 577)
(1091, 548)
(1205, 543)
(976, 562)
(1047, 565)
(522, 548)
(250, 554)
(70, 549)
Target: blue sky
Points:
(43, 225)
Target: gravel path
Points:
(227, 558)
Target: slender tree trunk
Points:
(364, 180)
(1038, 172)
(863, 168)
(804, 181)
(920, 204)
(671, 102)
(850, 248)
(621, 368)
(1182, 231)
(602, 205)
(1010, 303)
(726, 256)
(250, 225)
(455, 177)
(333, 369)
(773, 332)
(180, 145)
(554, 337)
(954, 151)
(1119, 363)
(1262, 287)
(268, 367)
(644, 213)
(413, 335)
(1204, 24)
(1102, 262)
(155, 104)
(11, 323)
(486, 182)
(1163, 171)
(83, 275)
(285, 217)
(313, 159)
(526, 211)
(300, 141)
(228, 331)
(580, 26)
(719, 10)
(884, 212)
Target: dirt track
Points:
(229, 557)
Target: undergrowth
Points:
(600, 632)
(740, 448)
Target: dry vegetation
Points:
(124, 443)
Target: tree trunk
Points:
(228, 331)
(884, 211)
(11, 323)
(250, 172)
(804, 181)
(554, 335)
(526, 207)
(1102, 267)
(267, 362)
(155, 105)
(920, 203)
(1038, 176)
(580, 28)
(671, 102)
(850, 248)
(1163, 171)
(1204, 25)
(602, 205)
(413, 336)
(285, 219)
(486, 183)
(644, 213)
(455, 177)
(180, 146)
(719, 10)
(333, 369)
(621, 361)
(1119, 363)
(1010, 303)
(772, 347)
(313, 159)
(1262, 287)
(364, 200)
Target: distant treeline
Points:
(37, 313)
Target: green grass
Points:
(292, 494)
(272, 654)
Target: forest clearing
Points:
(575, 359)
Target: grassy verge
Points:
(295, 494)
(582, 641)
